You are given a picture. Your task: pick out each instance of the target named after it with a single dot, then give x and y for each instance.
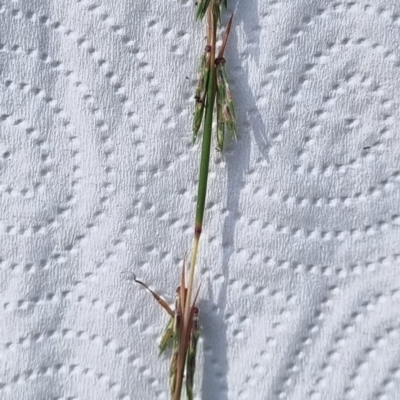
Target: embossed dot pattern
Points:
(300, 256)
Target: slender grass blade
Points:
(202, 6)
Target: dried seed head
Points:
(167, 337)
(173, 372)
(191, 354)
(201, 90)
(225, 110)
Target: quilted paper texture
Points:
(301, 248)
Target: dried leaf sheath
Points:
(158, 298)
(183, 342)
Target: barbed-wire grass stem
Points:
(204, 158)
(201, 192)
(182, 331)
(189, 342)
(201, 199)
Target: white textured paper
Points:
(300, 254)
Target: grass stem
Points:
(201, 198)
(204, 161)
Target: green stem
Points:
(201, 199)
(205, 152)
(204, 166)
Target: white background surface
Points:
(300, 253)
